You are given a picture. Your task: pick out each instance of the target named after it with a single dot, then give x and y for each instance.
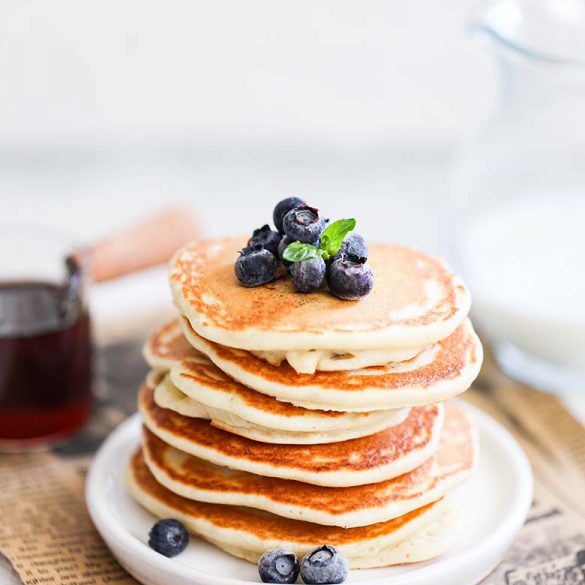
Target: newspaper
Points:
(549, 550)
(47, 537)
(45, 530)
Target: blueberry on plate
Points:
(350, 278)
(303, 224)
(353, 244)
(267, 238)
(282, 208)
(308, 275)
(278, 566)
(168, 537)
(324, 565)
(256, 266)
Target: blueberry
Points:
(308, 275)
(324, 565)
(278, 566)
(256, 266)
(282, 208)
(352, 244)
(350, 278)
(303, 224)
(267, 238)
(168, 537)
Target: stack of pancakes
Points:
(274, 419)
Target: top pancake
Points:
(415, 302)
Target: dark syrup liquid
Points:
(45, 361)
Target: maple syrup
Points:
(45, 361)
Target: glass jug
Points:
(519, 195)
(46, 354)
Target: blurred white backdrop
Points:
(110, 109)
(76, 71)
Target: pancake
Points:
(199, 389)
(167, 395)
(348, 507)
(416, 301)
(327, 360)
(439, 373)
(378, 457)
(166, 347)
(419, 535)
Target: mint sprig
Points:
(332, 237)
(296, 252)
(331, 240)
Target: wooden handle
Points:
(145, 245)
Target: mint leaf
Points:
(333, 236)
(296, 252)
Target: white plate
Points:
(495, 503)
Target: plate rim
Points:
(106, 523)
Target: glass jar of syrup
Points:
(45, 339)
